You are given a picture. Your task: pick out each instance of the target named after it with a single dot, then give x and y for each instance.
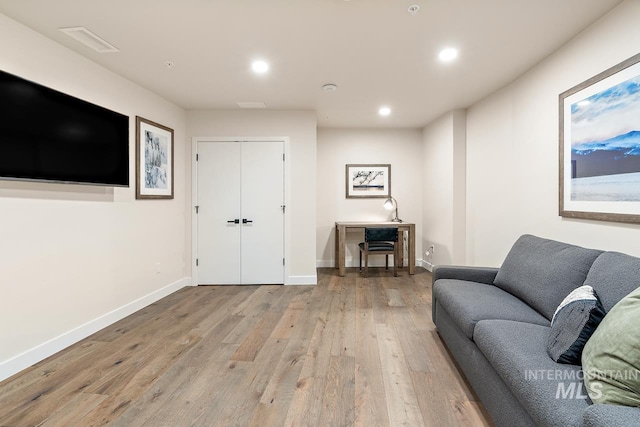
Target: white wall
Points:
(74, 258)
(338, 147)
(444, 198)
(300, 128)
(512, 149)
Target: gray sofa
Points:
(496, 322)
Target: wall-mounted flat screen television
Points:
(46, 135)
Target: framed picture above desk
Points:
(341, 241)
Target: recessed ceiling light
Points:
(329, 87)
(448, 54)
(413, 9)
(260, 67)
(384, 111)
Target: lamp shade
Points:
(391, 204)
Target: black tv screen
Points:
(46, 135)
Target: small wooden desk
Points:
(341, 231)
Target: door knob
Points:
(234, 221)
(246, 221)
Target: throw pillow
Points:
(611, 360)
(574, 321)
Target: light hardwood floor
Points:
(350, 351)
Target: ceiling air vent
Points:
(88, 38)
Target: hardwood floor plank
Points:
(394, 298)
(177, 390)
(288, 322)
(446, 370)
(434, 403)
(142, 316)
(203, 352)
(363, 293)
(417, 297)
(370, 399)
(252, 344)
(351, 351)
(402, 402)
(468, 413)
(339, 393)
(49, 367)
(76, 409)
(411, 340)
(306, 403)
(344, 312)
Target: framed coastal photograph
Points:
(600, 146)
(368, 181)
(154, 160)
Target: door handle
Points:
(234, 221)
(246, 221)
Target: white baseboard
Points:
(426, 265)
(302, 280)
(40, 352)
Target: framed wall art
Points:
(368, 181)
(600, 146)
(154, 160)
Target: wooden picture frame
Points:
(368, 181)
(154, 160)
(600, 146)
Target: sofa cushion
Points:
(613, 276)
(611, 360)
(469, 302)
(542, 272)
(604, 416)
(573, 323)
(552, 394)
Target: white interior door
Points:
(218, 203)
(241, 181)
(262, 203)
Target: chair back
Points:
(380, 234)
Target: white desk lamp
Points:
(391, 204)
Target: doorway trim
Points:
(194, 196)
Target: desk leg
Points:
(401, 248)
(340, 249)
(336, 238)
(412, 249)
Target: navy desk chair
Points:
(380, 241)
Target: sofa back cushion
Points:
(543, 272)
(613, 276)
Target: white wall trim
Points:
(425, 264)
(42, 351)
(302, 280)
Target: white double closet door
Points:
(240, 219)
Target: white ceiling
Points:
(374, 50)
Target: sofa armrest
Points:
(600, 415)
(484, 275)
